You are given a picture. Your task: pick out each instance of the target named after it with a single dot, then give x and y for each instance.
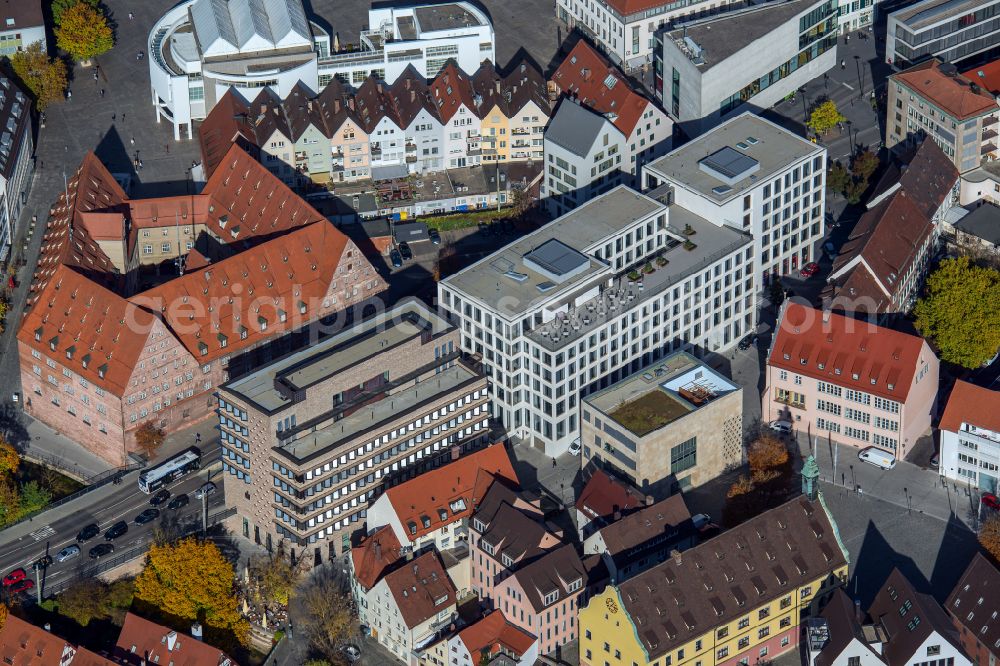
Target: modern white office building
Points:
(952, 30)
(424, 36)
(615, 284)
(17, 162)
(855, 14)
(970, 437)
(753, 176)
(747, 59)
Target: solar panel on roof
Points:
(556, 257)
(729, 162)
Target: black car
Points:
(405, 251)
(42, 562)
(159, 498)
(396, 258)
(116, 530)
(147, 516)
(178, 502)
(100, 550)
(88, 533)
(434, 236)
(483, 227)
(747, 342)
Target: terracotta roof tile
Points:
(604, 494)
(228, 120)
(376, 553)
(987, 76)
(159, 644)
(864, 356)
(24, 644)
(455, 488)
(585, 74)
(493, 633)
(450, 90)
(954, 94)
(973, 404)
(421, 589)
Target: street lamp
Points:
(857, 63)
(854, 481)
(850, 136)
(906, 494)
(802, 91)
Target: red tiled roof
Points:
(24, 644)
(450, 89)
(85, 657)
(93, 331)
(972, 404)
(421, 589)
(585, 74)
(603, 495)
(626, 7)
(228, 120)
(854, 353)
(465, 480)
(103, 226)
(954, 94)
(987, 76)
(141, 639)
(374, 554)
(493, 632)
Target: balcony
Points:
(411, 147)
(410, 159)
(989, 121)
(520, 131)
(988, 148)
(789, 401)
(989, 134)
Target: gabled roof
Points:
(228, 121)
(554, 571)
(376, 553)
(604, 494)
(421, 589)
(453, 490)
(410, 94)
(575, 127)
(301, 112)
(450, 90)
(525, 84)
(952, 93)
(141, 639)
(493, 633)
(909, 618)
(487, 85)
(843, 628)
(336, 105)
(588, 77)
(929, 178)
(517, 535)
(975, 601)
(971, 404)
(853, 353)
(268, 116)
(372, 103)
(24, 644)
(668, 518)
(765, 558)
(986, 76)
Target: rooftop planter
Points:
(661, 261)
(689, 230)
(648, 268)
(634, 276)
(688, 245)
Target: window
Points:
(722, 633)
(683, 456)
(854, 661)
(933, 650)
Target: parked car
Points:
(935, 461)
(830, 250)
(990, 500)
(434, 236)
(14, 576)
(352, 652)
(42, 562)
(116, 530)
(575, 448)
(700, 520)
(88, 533)
(100, 550)
(748, 342)
(782, 427)
(159, 498)
(178, 502)
(68, 553)
(405, 251)
(395, 258)
(809, 269)
(206, 490)
(23, 586)
(147, 516)
(878, 457)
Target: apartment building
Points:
(513, 110)
(625, 29)
(115, 358)
(952, 30)
(753, 176)
(677, 405)
(452, 95)
(318, 434)
(970, 437)
(17, 151)
(24, 25)
(578, 304)
(494, 637)
(739, 597)
(855, 14)
(974, 607)
(593, 82)
(849, 380)
(902, 627)
(933, 100)
(881, 266)
(710, 69)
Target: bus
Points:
(183, 463)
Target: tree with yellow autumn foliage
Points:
(989, 537)
(191, 580)
(10, 459)
(84, 32)
(764, 487)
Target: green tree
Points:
(855, 190)
(59, 6)
(838, 177)
(83, 601)
(83, 32)
(34, 497)
(825, 117)
(10, 503)
(960, 312)
(44, 77)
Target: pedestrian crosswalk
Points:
(42, 533)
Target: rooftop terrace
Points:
(432, 18)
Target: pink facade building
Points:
(858, 383)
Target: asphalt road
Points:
(57, 528)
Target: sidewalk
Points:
(53, 449)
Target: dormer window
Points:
(891, 386)
(426, 521)
(70, 351)
(413, 527)
(874, 380)
(85, 360)
(263, 324)
(302, 307)
(803, 361)
(223, 340)
(787, 357)
(507, 560)
(53, 343)
(202, 349)
(243, 332)
(103, 370)
(575, 585)
(854, 376)
(837, 371)
(551, 598)
(282, 316)
(38, 334)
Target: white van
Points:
(878, 457)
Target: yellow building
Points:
(735, 599)
(513, 111)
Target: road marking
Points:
(848, 85)
(42, 533)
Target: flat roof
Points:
(929, 12)
(432, 18)
(305, 367)
(983, 222)
(510, 285)
(771, 146)
(661, 393)
(720, 37)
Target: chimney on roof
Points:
(413, 95)
(617, 515)
(676, 554)
(350, 103)
(171, 639)
(378, 550)
(416, 568)
(263, 108)
(379, 88)
(336, 106)
(406, 83)
(455, 452)
(498, 86)
(196, 632)
(649, 500)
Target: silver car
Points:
(206, 490)
(68, 553)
